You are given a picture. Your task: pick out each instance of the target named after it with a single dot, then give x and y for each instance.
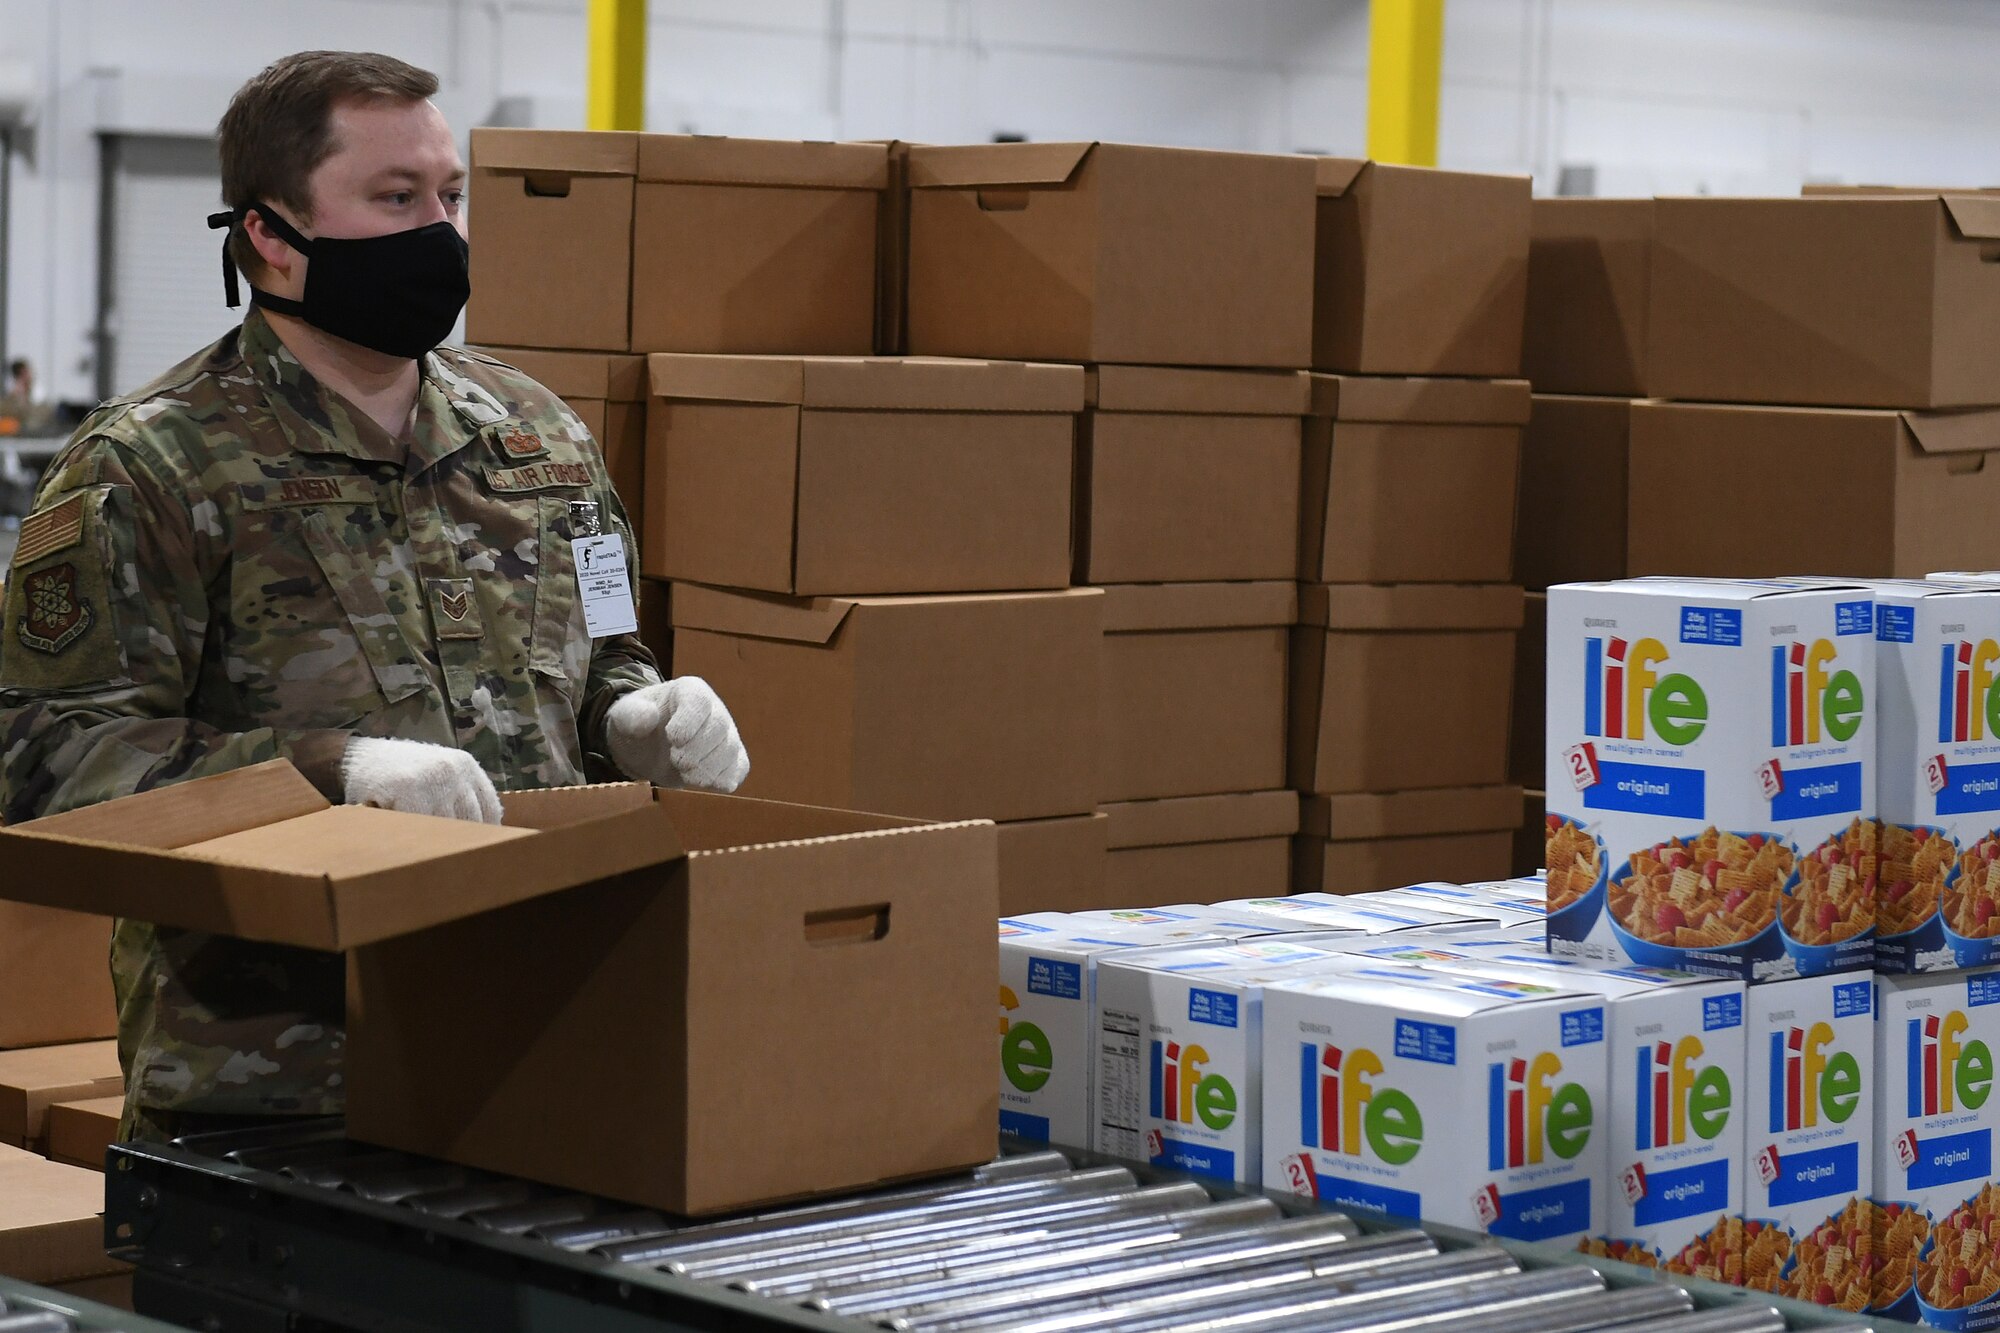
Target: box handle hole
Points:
(1002, 201)
(847, 925)
(1964, 465)
(545, 185)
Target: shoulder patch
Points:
(54, 529)
(55, 612)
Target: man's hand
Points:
(677, 734)
(418, 778)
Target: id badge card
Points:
(605, 586)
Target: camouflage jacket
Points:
(232, 565)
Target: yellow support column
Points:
(616, 97)
(1405, 55)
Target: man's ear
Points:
(277, 254)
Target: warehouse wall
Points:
(1735, 96)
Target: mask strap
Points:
(227, 221)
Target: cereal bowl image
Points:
(1832, 1264)
(1575, 859)
(1958, 1272)
(1708, 899)
(1901, 1235)
(1826, 917)
(1916, 864)
(1970, 904)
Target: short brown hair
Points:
(279, 126)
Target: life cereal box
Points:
(1711, 758)
(1937, 1210)
(1048, 991)
(1179, 1074)
(1810, 1117)
(1937, 668)
(1471, 1101)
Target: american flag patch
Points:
(54, 529)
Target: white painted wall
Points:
(1737, 96)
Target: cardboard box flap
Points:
(1977, 217)
(1196, 819)
(616, 377)
(1000, 164)
(934, 384)
(1334, 176)
(190, 812)
(339, 877)
(559, 152)
(1139, 607)
(713, 159)
(759, 615)
(1955, 432)
(1412, 814)
(1415, 399)
(1412, 606)
(1276, 393)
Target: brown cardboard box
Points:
(1419, 271)
(1402, 688)
(112, 1289)
(51, 1223)
(795, 1008)
(55, 983)
(1589, 271)
(612, 241)
(259, 854)
(1848, 493)
(1574, 459)
(80, 1132)
(33, 1080)
(1194, 688)
(1053, 865)
(839, 475)
(1359, 843)
(1201, 849)
(1188, 476)
(1531, 841)
(1110, 252)
(608, 393)
(976, 707)
(1527, 763)
(500, 1022)
(1410, 480)
(1882, 301)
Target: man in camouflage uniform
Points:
(235, 564)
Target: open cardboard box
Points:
(748, 1001)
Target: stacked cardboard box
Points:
(1403, 660)
(1584, 350)
(1848, 341)
(1181, 281)
(874, 553)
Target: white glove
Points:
(677, 734)
(417, 778)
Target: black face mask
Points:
(398, 294)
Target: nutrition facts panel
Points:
(1118, 1084)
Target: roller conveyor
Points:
(300, 1229)
(31, 1309)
